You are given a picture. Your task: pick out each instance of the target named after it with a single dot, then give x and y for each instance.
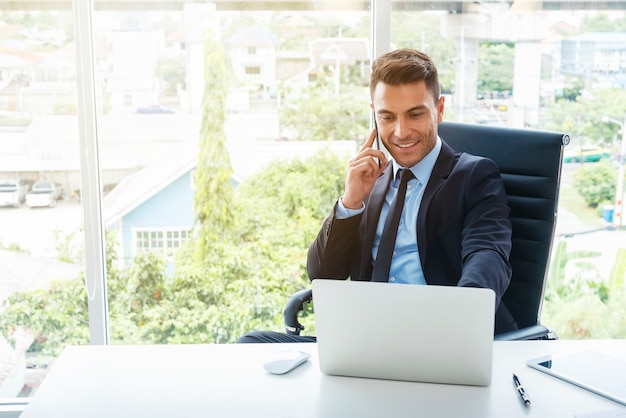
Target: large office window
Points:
(198, 146)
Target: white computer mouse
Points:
(284, 361)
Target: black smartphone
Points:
(377, 139)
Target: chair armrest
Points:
(294, 305)
(534, 332)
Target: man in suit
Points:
(454, 227)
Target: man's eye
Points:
(416, 115)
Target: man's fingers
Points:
(370, 162)
(369, 155)
(369, 141)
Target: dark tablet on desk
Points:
(595, 371)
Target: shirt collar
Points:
(424, 168)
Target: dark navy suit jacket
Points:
(463, 230)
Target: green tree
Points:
(572, 89)
(582, 118)
(316, 113)
(285, 205)
(213, 198)
(596, 183)
(296, 194)
(495, 66)
(57, 315)
(602, 22)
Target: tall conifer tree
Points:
(214, 190)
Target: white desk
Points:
(229, 381)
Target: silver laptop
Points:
(435, 334)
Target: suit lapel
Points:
(441, 171)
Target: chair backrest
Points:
(530, 165)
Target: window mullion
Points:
(90, 174)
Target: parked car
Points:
(13, 192)
(44, 193)
(587, 154)
(154, 109)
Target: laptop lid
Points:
(435, 334)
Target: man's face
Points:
(407, 116)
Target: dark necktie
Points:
(390, 230)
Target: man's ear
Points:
(440, 107)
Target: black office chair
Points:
(530, 166)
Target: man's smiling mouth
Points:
(409, 145)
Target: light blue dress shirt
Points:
(405, 264)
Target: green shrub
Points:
(585, 305)
(596, 183)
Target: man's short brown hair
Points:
(404, 66)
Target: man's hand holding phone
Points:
(363, 170)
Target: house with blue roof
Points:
(152, 209)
